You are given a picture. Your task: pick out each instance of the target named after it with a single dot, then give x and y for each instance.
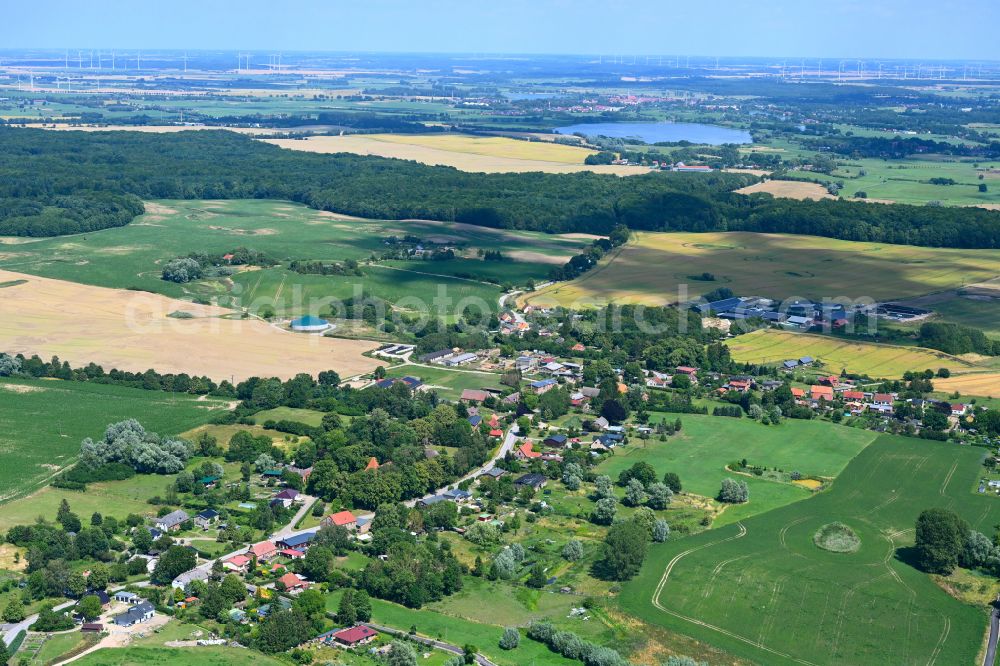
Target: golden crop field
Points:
(654, 268)
(490, 154)
(876, 360)
(788, 189)
(130, 330)
(983, 383)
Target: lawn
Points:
(449, 383)
(307, 416)
(664, 268)
(875, 360)
(42, 423)
(762, 590)
(706, 444)
(56, 645)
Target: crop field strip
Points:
(780, 606)
(650, 268)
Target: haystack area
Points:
(130, 330)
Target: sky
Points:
(920, 29)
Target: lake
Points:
(656, 132)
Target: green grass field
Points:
(665, 268)
(762, 590)
(132, 256)
(449, 383)
(886, 361)
(307, 416)
(459, 631)
(706, 444)
(42, 423)
(905, 181)
(200, 656)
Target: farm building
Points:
(474, 395)
(310, 324)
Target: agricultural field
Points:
(700, 453)
(761, 589)
(132, 256)
(652, 269)
(492, 154)
(200, 656)
(75, 322)
(788, 189)
(42, 423)
(906, 181)
(835, 354)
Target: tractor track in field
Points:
(655, 599)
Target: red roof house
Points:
(854, 395)
(293, 582)
(821, 393)
(354, 636)
(341, 519)
(264, 550)
(526, 451)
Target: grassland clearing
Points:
(492, 154)
(788, 189)
(76, 322)
(42, 423)
(762, 590)
(652, 267)
(700, 453)
(835, 354)
(133, 256)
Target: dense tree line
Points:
(36, 166)
(957, 339)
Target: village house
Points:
(817, 393)
(263, 550)
(351, 637)
(237, 563)
(526, 451)
(141, 612)
(533, 481)
(172, 521)
(285, 498)
(206, 518)
(293, 583)
(341, 519)
(543, 385)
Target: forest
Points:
(106, 171)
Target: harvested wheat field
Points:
(493, 154)
(665, 268)
(984, 384)
(130, 330)
(788, 189)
